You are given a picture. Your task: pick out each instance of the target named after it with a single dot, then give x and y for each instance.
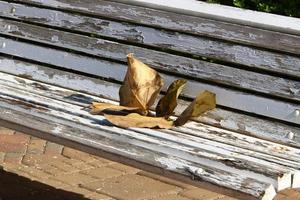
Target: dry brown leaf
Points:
(139, 121)
(141, 85)
(98, 107)
(203, 102)
(168, 103)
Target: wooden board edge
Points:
(229, 14)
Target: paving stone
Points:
(32, 160)
(36, 146)
(64, 167)
(100, 162)
(82, 166)
(227, 198)
(291, 196)
(53, 148)
(77, 190)
(2, 154)
(170, 197)
(13, 168)
(75, 154)
(6, 131)
(34, 172)
(13, 143)
(200, 194)
(53, 183)
(12, 157)
(97, 196)
(125, 168)
(50, 169)
(102, 172)
(131, 187)
(74, 178)
(278, 197)
(165, 180)
(288, 192)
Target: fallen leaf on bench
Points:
(203, 102)
(168, 103)
(141, 85)
(98, 107)
(139, 121)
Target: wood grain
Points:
(177, 22)
(250, 58)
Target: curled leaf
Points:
(141, 85)
(137, 120)
(168, 103)
(98, 107)
(203, 102)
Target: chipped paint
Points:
(57, 130)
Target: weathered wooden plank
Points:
(153, 38)
(138, 137)
(194, 129)
(216, 73)
(262, 146)
(254, 126)
(177, 22)
(111, 70)
(241, 16)
(89, 137)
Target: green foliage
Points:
(281, 7)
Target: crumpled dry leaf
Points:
(139, 121)
(203, 102)
(168, 103)
(141, 85)
(98, 107)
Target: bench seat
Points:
(57, 58)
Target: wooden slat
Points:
(233, 121)
(177, 22)
(216, 73)
(106, 69)
(138, 137)
(154, 38)
(230, 14)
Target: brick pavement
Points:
(35, 168)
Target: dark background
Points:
(281, 7)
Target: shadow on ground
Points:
(14, 187)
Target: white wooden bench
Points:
(57, 56)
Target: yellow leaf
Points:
(141, 85)
(137, 120)
(203, 102)
(168, 103)
(98, 107)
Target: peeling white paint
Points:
(172, 163)
(57, 130)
